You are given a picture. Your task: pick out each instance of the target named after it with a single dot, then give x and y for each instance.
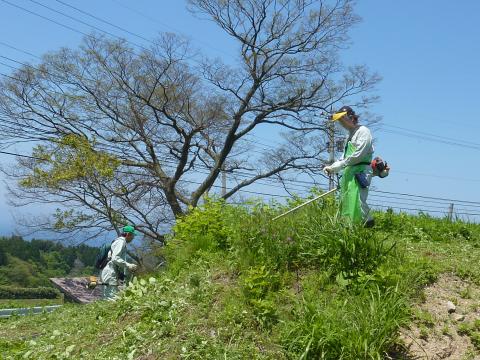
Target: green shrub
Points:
(257, 281)
(205, 230)
(205, 227)
(9, 292)
(256, 285)
(265, 312)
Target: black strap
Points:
(361, 163)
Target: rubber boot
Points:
(369, 223)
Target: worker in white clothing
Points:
(356, 167)
(116, 269)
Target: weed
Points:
(423, 332)
(446, 330)
(425, 318)
(466, 293)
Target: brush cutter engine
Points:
(380, 167)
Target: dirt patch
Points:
(436, 332)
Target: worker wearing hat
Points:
(116, 269)
(355, 164)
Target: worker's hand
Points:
(327, 170)
(132, 267)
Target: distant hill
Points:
(30, 263)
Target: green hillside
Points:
(30, 263)
(240, 286)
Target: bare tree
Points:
(139, 137)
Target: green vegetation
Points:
(31, 263)
(27, 303)
(238, 285)
(473, 331)
(10, 292)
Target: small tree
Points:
(139, 137)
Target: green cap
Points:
(129, 229)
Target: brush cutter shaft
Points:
(305, 203)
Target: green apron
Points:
(350, 204)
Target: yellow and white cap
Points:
(344, 110)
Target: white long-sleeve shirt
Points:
(118, 262)
(361, 139)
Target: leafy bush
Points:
(9, 292)
(205, 227)
(256, 284)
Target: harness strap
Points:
(361, 163)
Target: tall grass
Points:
(346, 327)
(361, 323)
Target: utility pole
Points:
(331, 151)
(450, 212)
(224, 180)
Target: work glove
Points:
(132, 267)
(334, 168)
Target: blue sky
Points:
(426, 51)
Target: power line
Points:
(432, 135)
(21, 155)
(447, 140)
(423, 210)
(413, 204)
(9, 66)
(465, 202)
(19, 50)
(84, 23)
(429, 197)
(45, 18)
(436, 176)
(450, 141)
(154, 20)
(241, 190)
(413, 201)
(104, 21)
(412, 135)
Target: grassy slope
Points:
(25, 303)
(239, 286)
